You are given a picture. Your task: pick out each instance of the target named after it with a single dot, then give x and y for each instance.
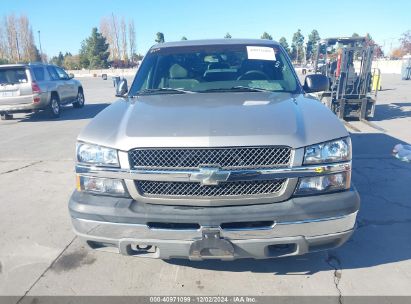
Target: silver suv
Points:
(37, 86)
(215, 152)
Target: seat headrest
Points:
(177, 71)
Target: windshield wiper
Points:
(251, 89)
(163, 90)
(237, 89)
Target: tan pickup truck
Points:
(215, 152)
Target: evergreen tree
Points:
(160, 38)
(267, 36)
(297, 44)
(58, 60)
(84, 60)
(34, 54)
(284, 43)
(312, 44)
(94, 51)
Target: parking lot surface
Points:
(39, 254)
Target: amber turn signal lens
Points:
(78, 183)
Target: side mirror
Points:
(122, 88)
(71, 76)
(316, 83)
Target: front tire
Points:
(54, 107)
(80, 100)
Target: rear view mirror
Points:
(71, 76)
(316, 83)
(122, 88)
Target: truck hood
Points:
(213, 120)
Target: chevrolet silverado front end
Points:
(216, 152)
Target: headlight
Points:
(324, 183)
(328, 152)
(101, 185)
(96, 155)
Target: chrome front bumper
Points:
(296, 226)
(280, 239)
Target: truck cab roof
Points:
(216, 42)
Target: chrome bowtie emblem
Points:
(209, 176)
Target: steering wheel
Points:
(253, 75)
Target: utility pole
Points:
(41, 51)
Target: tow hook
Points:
(211, 246)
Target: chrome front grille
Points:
(225, 158)
(227, 189)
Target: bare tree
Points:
(115, 33)
(132, 39)
(33, 53)
(3, 51)
(123, 28)
(107, 32)
(110, 30)
(120, 36)
(17, 40)
(406, 41)
(26, 39)
(12, 39)
(27, 44)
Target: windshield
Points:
(211, 68)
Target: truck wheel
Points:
(80, 100)
(54, 107)
(6, 116)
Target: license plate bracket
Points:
(6, 94)
(211, 246)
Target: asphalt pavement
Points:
(40, 255)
